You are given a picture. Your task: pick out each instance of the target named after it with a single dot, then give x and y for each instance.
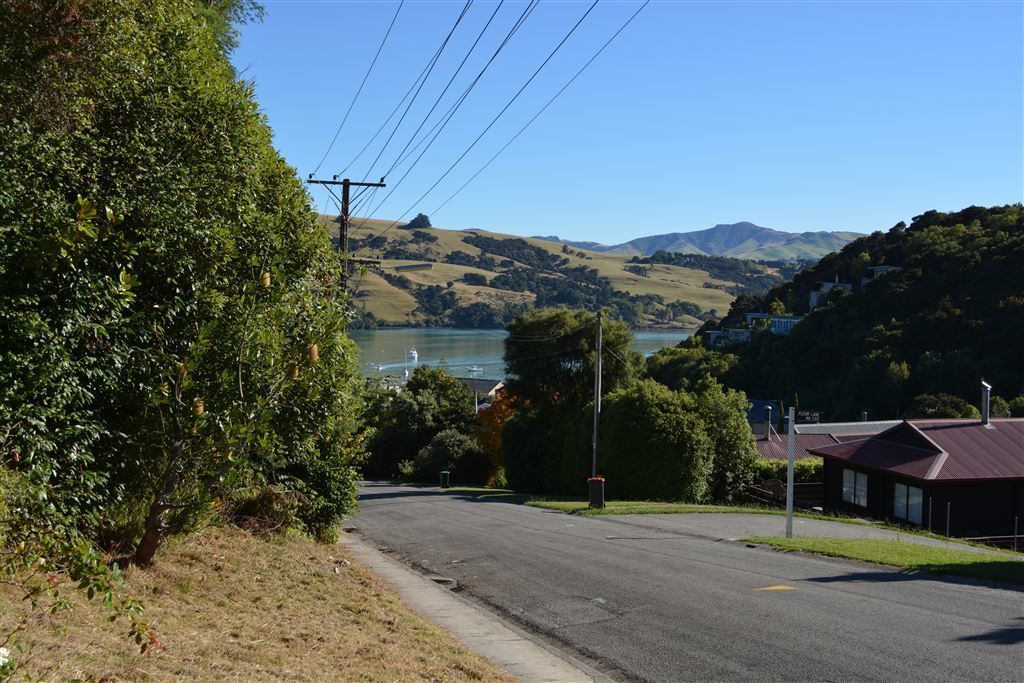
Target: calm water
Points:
(385, 352)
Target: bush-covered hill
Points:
(953, 314)
(485, 279)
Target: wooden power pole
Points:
(346, 219)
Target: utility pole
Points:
(346, 184)
(597, 392)
(595, 484)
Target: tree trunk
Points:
(156, 530)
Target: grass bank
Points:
(229, 605)
(908, 556)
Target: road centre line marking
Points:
(780, 587)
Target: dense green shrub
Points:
(805, 471)
(171, 325)
(653, 445)
(456, 452)
(941, 406)
(404, 421)
(724, 416)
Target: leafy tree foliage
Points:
(456, 452)
(953, 314)
(653, 445)
(171, 326)
(406, 421)
(941, 405)
(684, 366)
(418, 223)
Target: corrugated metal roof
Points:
(941, 450)
(977, 451)
(840, 428)
(778, 447)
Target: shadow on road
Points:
(414, 491)
(1000, 576)
(1009, 635)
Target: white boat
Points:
(475, 368)
(414, 355)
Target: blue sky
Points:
(792, 115)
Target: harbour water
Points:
(466, 353)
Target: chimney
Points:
(986, 399)
(768, 422)
(863, 416)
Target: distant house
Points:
(819, 296)
(877, 272)
(961, 477)
(483, 391)
(776, 324)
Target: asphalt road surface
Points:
(645, 601)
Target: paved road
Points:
(654, 603)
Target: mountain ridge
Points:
(740, 240)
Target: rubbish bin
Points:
(595, 486)
(444, 478)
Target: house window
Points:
(855, 487)
(907, 503)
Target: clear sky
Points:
(792, 115)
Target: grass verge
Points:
(908, 556)
(227, 605)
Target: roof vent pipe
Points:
(863, 416)
(986, 400)
(768, 422)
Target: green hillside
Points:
(951, 314)
(483, 279)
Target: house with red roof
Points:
(771, 445)
(958, 477)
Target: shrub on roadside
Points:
(806, 471)
(455, 452)
(653, 445)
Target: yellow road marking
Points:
(780, 587)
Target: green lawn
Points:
(909, 556)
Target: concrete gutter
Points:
(504, 644)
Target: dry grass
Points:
(229, 606)
(391, 304)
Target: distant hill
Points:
(738, 240)
(477, 278)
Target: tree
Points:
(550, 355)
(941, 405)
(419, 223)
(172, 318)
(458, 453)
(684, 367)
(405, 421)
(724, 416)
(653, 445)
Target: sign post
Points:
(789, 472)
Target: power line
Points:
(495, 119)
(448, 85)
(430, 69)
(542, 109)
(356, 96)
(390, 116)
(443, 122)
